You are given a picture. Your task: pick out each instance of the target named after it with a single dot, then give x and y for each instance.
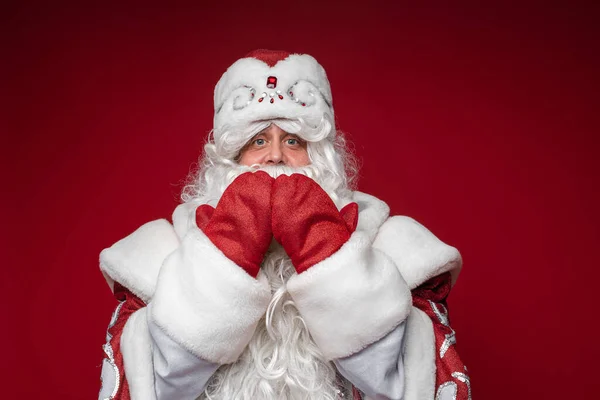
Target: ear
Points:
(204, 213)
(350, 215)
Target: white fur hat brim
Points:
(242, 95)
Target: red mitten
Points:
(240, 225)
(307, 223)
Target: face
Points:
(274, 146)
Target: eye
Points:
(259, 142)
(292, 141)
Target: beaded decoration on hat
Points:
(295, 86)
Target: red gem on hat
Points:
(271, 82)
(272, 100)
(260, 100)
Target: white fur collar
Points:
(372, 213)
(418, 253)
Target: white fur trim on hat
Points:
(302, 91)
(351, 299)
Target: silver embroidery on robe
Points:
(450, 338)
(110, 375)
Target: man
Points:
(276, 280)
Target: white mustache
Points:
(223, 176)
(273, 170)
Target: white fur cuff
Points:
(351, 299)
(417, 252)
(206, 303)
(135, 260)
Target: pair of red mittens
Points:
(293, 209)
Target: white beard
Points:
(281, 360)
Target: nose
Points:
(275, 154)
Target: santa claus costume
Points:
(274, 282)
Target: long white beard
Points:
(281, 360)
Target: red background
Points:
(478, 121)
